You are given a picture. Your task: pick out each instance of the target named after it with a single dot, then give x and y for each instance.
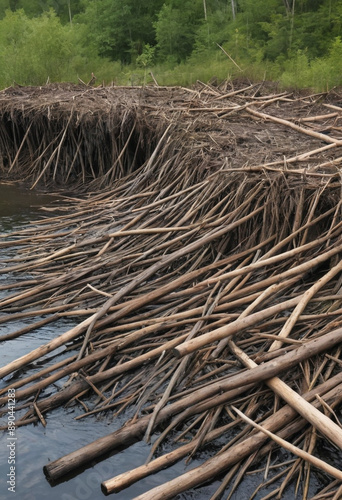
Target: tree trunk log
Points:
(130, 433)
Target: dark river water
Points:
(35, 445)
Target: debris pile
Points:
(198, 251)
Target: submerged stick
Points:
(320, 421)
(329, 469)
(125, 479)
(221, 462)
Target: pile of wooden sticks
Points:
(205, 290)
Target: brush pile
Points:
(199, 255)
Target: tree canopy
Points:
(84, 33)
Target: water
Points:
(35, 445)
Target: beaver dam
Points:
(197, 249)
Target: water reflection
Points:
(17, 202)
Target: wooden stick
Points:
(320, 421)
(229, 57)
(46, 348)
(324, 466)
(166, 260)
(307, 296)
(317, 135)
(129, 434)
(221, 462)
(40, 416)
(272, 260)
(125, 479)
(232, 328)
(225, 331)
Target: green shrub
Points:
(35, 50)
(297, 71)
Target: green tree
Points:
(4, 5)
(218, 28)
(65, 9)
(119, 29)
(176, 29)
(35, 50)
(78, 36)
(146, 59)
(31, 7)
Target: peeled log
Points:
(128, 434)
(221, 462)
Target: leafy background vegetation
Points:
(296, 42)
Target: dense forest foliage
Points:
(297, 42)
